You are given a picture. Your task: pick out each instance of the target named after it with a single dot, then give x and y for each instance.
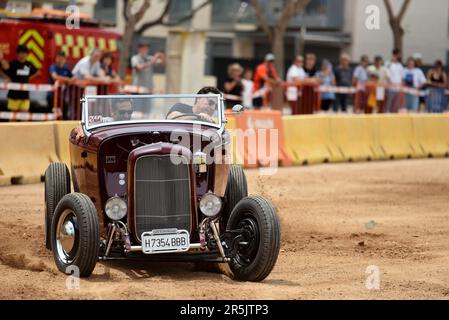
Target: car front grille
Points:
(162, 194)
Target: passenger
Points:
(203, 108)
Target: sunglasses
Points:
(123, 112)
(211, 102)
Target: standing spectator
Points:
(248, 86)
(89, 68)
(360, 77)
(106, 62)
(111, 76)
(378, 75)
(437, 83)
(419, 65)
(310, 67)
(18, 70)
(265, 78)
(326, 78)
(233, 86)
(59, 71)
(413, 79)
(395, 74)
(295, 74)
(143, 66)
(343, 78)
(309, 99)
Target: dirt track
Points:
(337, 220)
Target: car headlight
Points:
(210, 204)
(116, 208)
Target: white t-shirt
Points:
(84, 67)
(418, 76)
(295, 72)
(395, 74)
(247, 93)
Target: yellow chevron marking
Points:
(58, 40)
(69, 40)
(32, 58)
(36, 49)
(91, 42)
(32, 33)
(112, 45)
(80, 41)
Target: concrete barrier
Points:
(396, 136)
(26, 150)
(62, 131)
(308, 139)
(432, 134)
(355, 137)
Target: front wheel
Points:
(258, 243)
(75, 236)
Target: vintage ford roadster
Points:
(151, 179)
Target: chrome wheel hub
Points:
(67, 236)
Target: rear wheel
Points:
(236, 190)
(259, 240)
(75, 237)
(57, 185)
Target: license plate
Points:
(165, 240)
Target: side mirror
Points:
(237, 109)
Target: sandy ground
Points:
(337, 220)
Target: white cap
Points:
(417, 56)
(269, 57)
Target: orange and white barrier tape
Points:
(135, 89)
(27, 116)
(334, 89)
(26, 87)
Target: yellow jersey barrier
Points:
(28, 148)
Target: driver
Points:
(203, 108)
(121, 110)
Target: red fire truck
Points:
(45, 33)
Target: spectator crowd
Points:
(376, 86)
(98, 68)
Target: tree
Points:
(134, 25)
(276, 31)
(396, 23)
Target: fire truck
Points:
(45, 33)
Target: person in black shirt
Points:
(202, 110)
(19, 71)
(233, 86)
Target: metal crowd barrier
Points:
(66, 98)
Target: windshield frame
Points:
(89, 129)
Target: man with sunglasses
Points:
(203, 109)
(121, 110)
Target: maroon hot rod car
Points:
(151, 179)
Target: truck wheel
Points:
(75, 236)
(57, 185)
(259, 242)
(236, 190)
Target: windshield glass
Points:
(108, 110)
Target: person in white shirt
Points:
(248, 86)
(378, 74)
(89, 68)
(395, 75)
(295, 74)
(414, 79)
